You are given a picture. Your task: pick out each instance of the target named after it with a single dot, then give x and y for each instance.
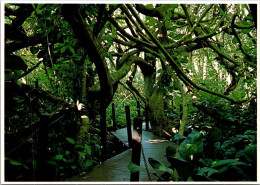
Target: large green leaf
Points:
(149, 6)
(206, 171)
(168, 15)
(159, 166)
(179, 158)
(73, 167)
(72, 141)
(250, 132)
(81, 154)
(183, 60)
(234, 41)
(191, 146)
(63, 49)
(88, 163)
(178, 37)
(173, 6)
(184, 53)
(223, 169)
(17, 163)
(88, 149)
(246, 31)
(194, 137)
(152, 22)
(170, 151)
(72, 50)
(52, 163)
(58, 157)
(250, 153)
(227, 162)
(178, 137)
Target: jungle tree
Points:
(167, 34)
(87, 50)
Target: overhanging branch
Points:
(181, 74)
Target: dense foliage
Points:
(192, 67)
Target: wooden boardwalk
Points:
(115, 169)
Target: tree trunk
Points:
(156, 111)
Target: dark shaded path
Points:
(115, 168)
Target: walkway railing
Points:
(135, 138)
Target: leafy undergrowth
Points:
(66, 157)
(219, 149)
(209, 155)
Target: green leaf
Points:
(17, 163)
(39, 6)
(184, 54)
(71, 160)
(63, 49)
(149, 54)
(168, 15)
(206, 171)
(179, 158)
(250, 132)
(170, 151)
(223, 169)
(192, 147)
(159, 166)
(246, 31)
(244, 23)
(134, 168)
(234, 41)
(149, 6)
(58, 157)
(173, 6)
(167, 25)
(178, 37)
(88, 163)
(178, 137)
(79, 146)
(72, 141)
(194, 137)
(81, 154)
(52, 163)
(38, 11)
(73, 167)
(57, 45)
(183, 60)
(250, 153)
(88, 149)
(59, 35)
(72, 50)
(152, 22)
(226, 162)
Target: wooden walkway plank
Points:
(121, 134)
(115, 169)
